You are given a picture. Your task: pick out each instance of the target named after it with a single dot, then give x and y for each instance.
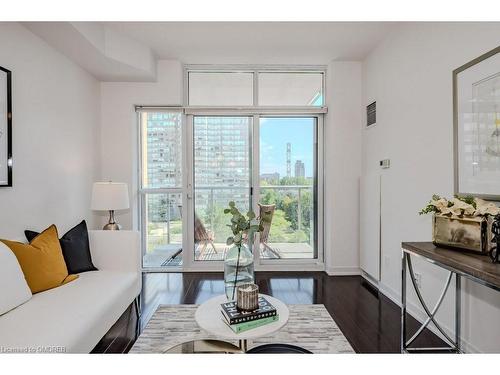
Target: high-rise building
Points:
(221, 158)
(163, 163)
(164, 153)
(300, 170)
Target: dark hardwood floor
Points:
(370, 321)
(121, 336)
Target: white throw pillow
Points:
(14, 290)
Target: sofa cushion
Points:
(14, 290)
(75, 248)
(71, 318)
(42, 261)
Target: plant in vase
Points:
(462, 222)
(460, 207)
(238, 263)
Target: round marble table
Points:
(209, 317)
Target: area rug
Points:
(309, 326)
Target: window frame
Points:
(188, 112)
(143, 192)
(256, 70)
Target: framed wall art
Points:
(476, 117)
(5, 127)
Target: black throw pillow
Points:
(75, 248)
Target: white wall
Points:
(342, 161)
(56, 149)
(119, 126)
(410, 77)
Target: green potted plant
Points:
(239, 263)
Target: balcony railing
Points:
(212, 193)
(213, 190)
(287, 240)
(299, 189)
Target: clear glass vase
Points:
(238, 269)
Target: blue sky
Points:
(274, 135)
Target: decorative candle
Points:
(247, 297)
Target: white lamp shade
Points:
(109, 196)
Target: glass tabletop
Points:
(204, 347)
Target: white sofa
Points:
(74, 317)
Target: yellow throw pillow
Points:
(42, 261)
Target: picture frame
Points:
(5, 127)
(476, 127)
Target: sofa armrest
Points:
(115, 250)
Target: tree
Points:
(163, 209)
(218, 220)
(281, 231)
(270, 196)
(287, 181)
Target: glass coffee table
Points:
(209, 317)
(204, 347)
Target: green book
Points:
(241, 327)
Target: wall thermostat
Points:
(386, 163)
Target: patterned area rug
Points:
(309, 326)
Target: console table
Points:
(475, 267)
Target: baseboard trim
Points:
(282, 267)
(343, 271)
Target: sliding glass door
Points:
(288, 187)
(221, 173)
(268, 163)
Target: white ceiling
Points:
(257, 42)
(128, 51)
(103, 52)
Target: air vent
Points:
(371, 114)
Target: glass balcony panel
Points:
(163, 230)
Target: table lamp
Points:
(110, 196)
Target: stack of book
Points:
(240, 321)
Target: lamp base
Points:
(112, 226)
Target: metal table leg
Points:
(454, 345)
(243, 345)
(403, 303)
(458, 311)
(137, 306)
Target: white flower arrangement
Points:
(460, 207)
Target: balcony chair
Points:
(267, 212)
(201, 234)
